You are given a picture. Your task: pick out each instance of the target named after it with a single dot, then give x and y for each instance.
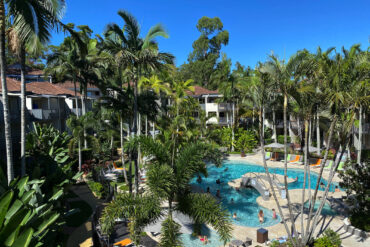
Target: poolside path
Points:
(82, 235)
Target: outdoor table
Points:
(237, 242)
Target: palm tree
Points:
(169, 179)
(32, 43)
(136, 54)
(32, 21)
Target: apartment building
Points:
(45, 103)
(219, 113)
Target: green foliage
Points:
(280, 139)
(170, 233)
(360, 220)
(330, 239)
(27, 217)
(48, 154)
(97, 189)
(140, 210)
(246, 140)
(356, 181)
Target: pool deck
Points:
(278, 230)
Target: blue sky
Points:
(256, 27)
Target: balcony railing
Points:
(77, 111)
(44, 114)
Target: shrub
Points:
(246, 140)
(330, 239)
(97, 188)
(280, 139)
(360, 220)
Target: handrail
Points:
(259, 179)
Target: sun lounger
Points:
(267, 155)
(124, 242)
(296, 160)
(340, 166)
(318, 163)
(330, 164)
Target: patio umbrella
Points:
(312, 149)
(275, 145)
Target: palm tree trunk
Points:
(23, 112)
(83, 97)
(79, 141)
(7, 127)
(153, 130)
(274, 123)
(262, 140)
(232, 128)
(122, 153)
(306, 130)
(263, 122)
(79, 156)
(359, 146)
(318, 138)
(286, 165)
(309, 219)
(146, 125)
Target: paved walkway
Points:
(82, 235)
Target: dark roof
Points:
(45, 88)
(69, 85)
(198, 91)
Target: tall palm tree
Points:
(136, 54)
(32, 43)
(32, 21)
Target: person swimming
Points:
(218, 181)
(208, 190)
(218, 194)
(232, 200)
(261, 216)
(226, 169)
(336, 189)
(234, 216)
(274, 216)
(199, 179)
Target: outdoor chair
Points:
(318, 163)
(296, 160)
(329, 164)
(125, 242)
(288, 158)
(268, 155)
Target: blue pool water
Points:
(244, 201)
(191, 241)
(326, 210)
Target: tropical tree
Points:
(137, 55)
(168, 179)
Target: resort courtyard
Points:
(184, 123)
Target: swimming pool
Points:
(192, 241)
(244, 201)
(326, 210)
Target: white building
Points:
(220, 113)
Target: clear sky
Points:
(256, 26)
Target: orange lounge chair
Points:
(317, 163)
(123, 242)
(116, 167)
(296, 160)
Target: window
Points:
(89, 94)
(97, 93)
(196, 114)
(222, 114)
(201, 101)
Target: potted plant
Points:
(246, 142)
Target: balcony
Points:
(365, 129)
(43, 114)
(224, 107)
